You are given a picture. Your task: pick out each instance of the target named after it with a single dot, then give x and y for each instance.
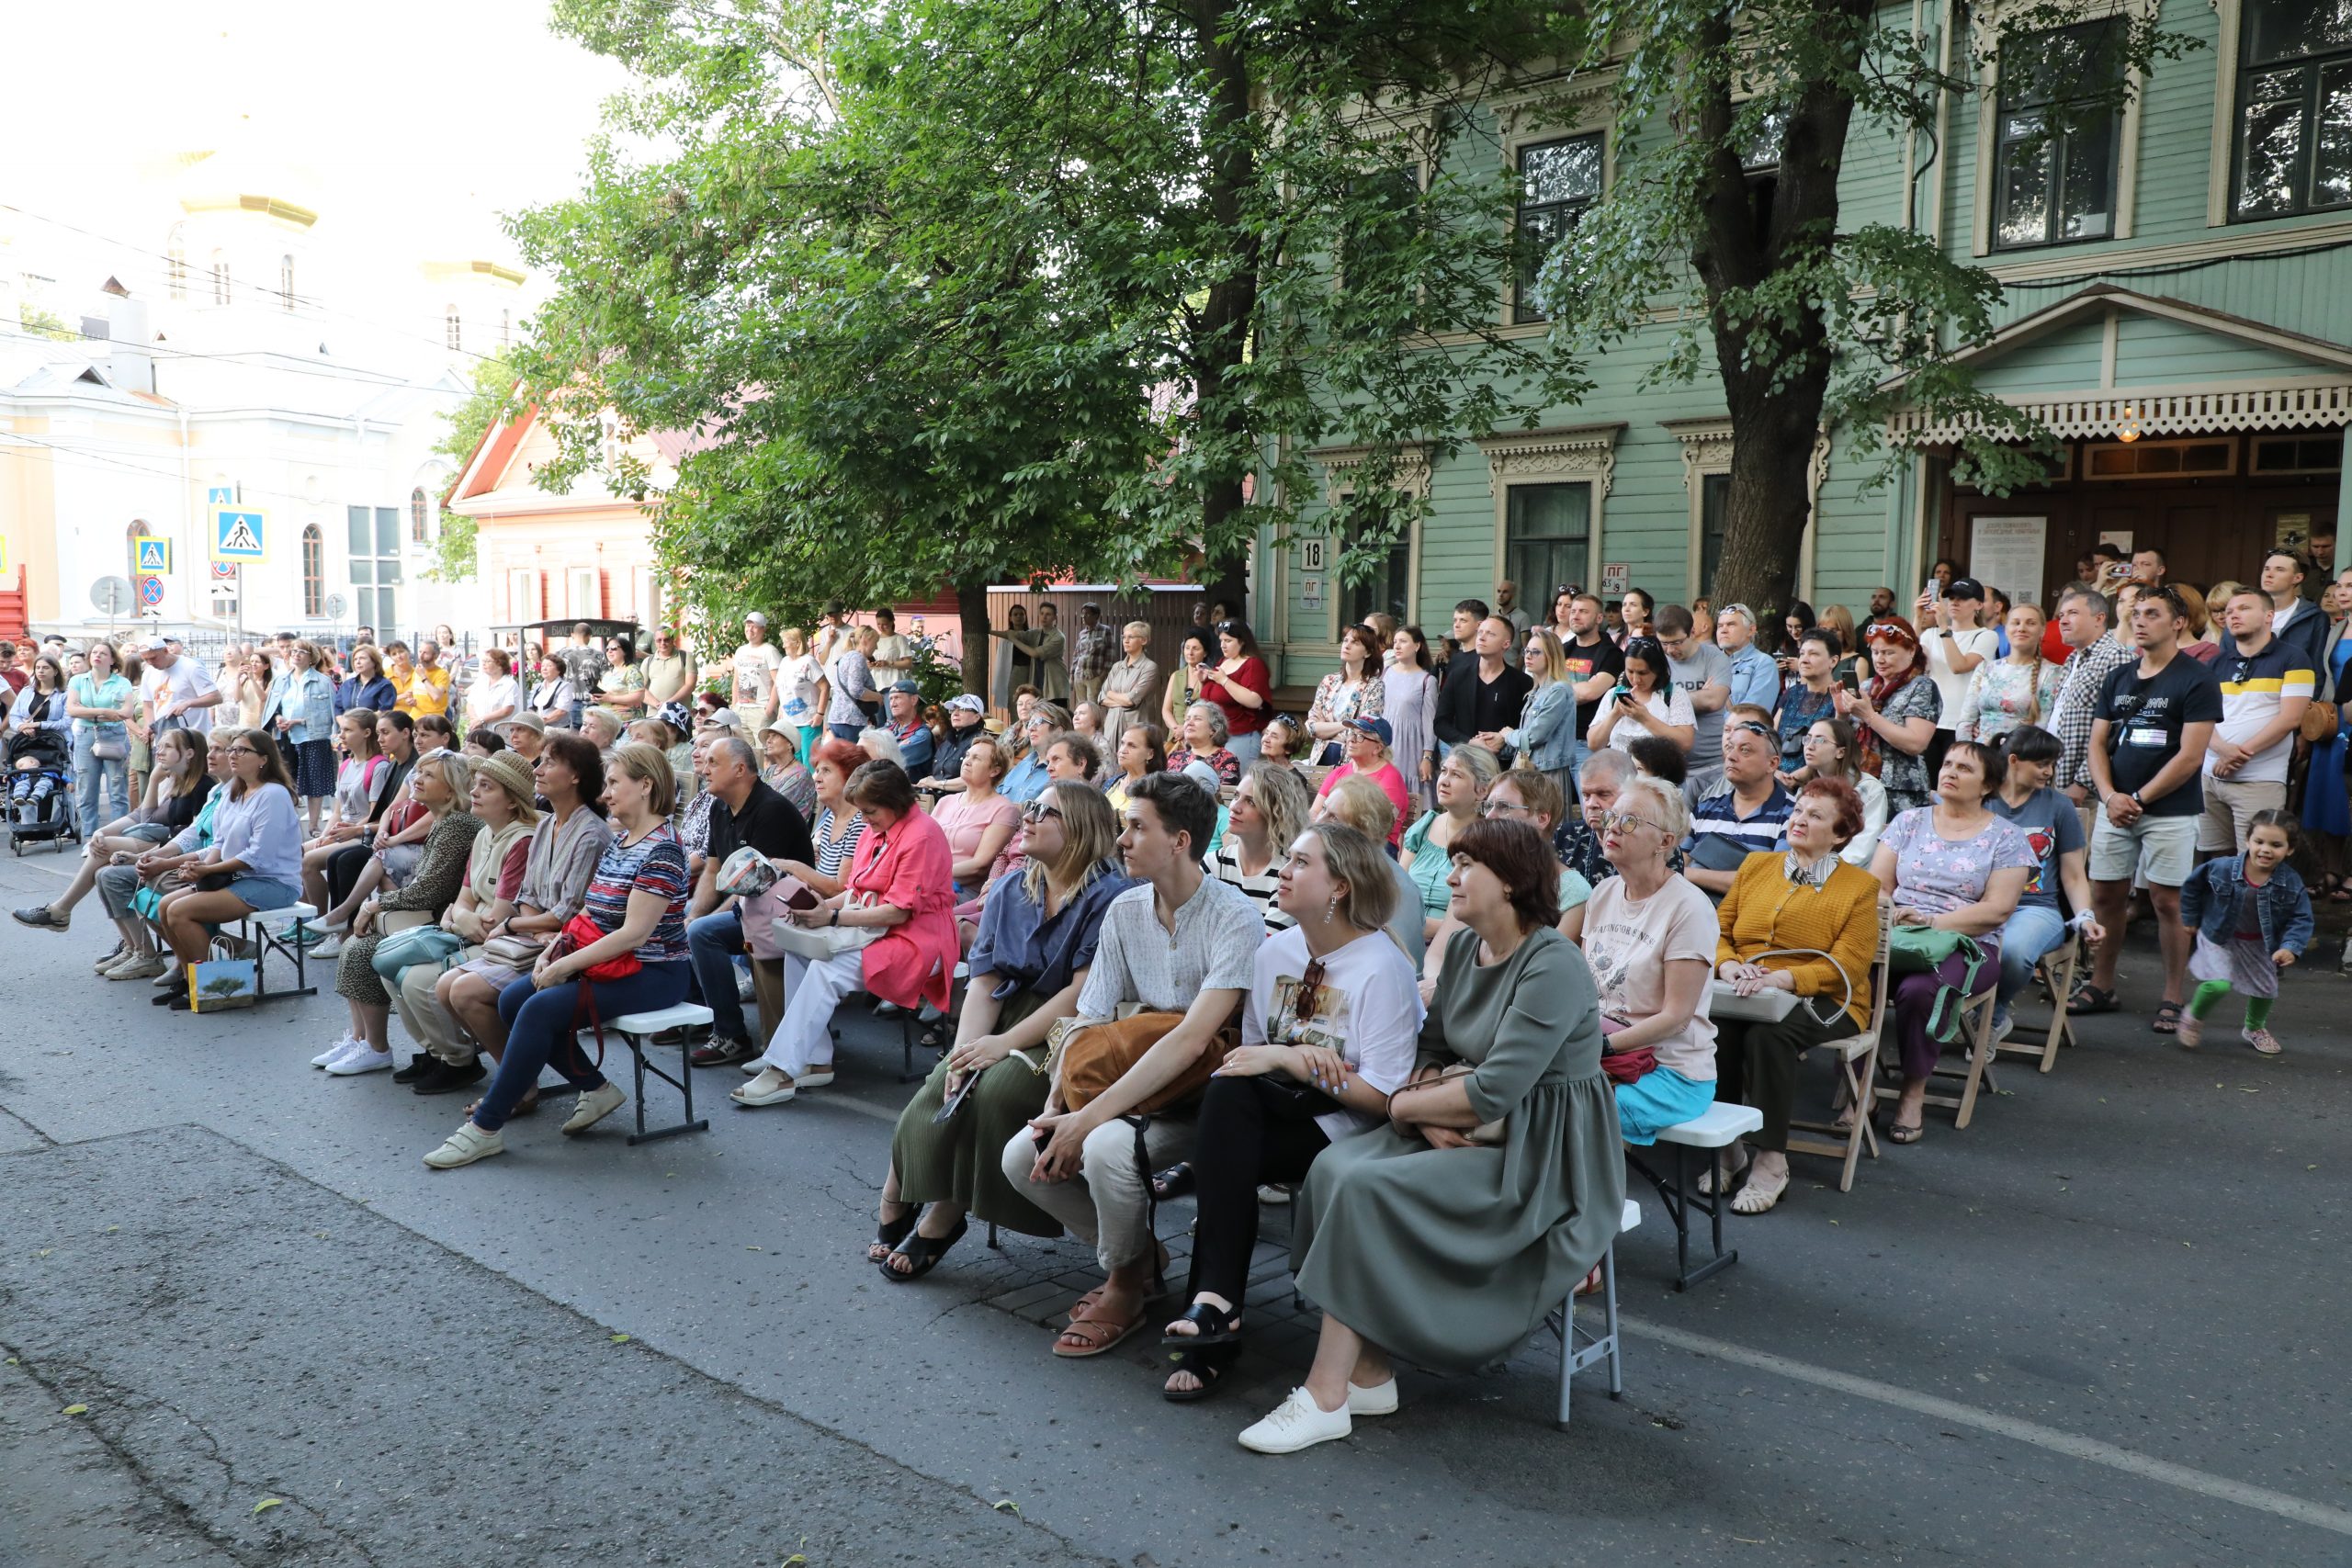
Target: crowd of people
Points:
(1418, 958)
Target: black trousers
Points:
(1756, 1064)
(343, 867)
(1252, 1131)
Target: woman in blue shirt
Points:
(299, 714)
(98, 702)
(366, 687)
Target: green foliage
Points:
(45, 324)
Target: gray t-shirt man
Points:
(1707, 666)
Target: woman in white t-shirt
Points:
(1649, 936)
(1646, 702)
(1950, 649)
(1330, 1029)
(800, 689)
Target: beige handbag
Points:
(1487, 1134)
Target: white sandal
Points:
(750, 1095)
(1757, 1197)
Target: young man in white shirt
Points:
(2266, 686)
(180, 693)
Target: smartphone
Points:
(1935, 590)
(1849, 679)
(956, 1101)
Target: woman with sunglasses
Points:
(1036, 940)
(1649, 935)
(1328, 1032)
(1895, 713)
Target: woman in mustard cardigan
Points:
(1804, 896)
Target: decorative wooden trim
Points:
(1340, 465)
(2276, 405)
(1582, 452)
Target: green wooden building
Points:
(2178, 310)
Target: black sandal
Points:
(2090, 1000)
(1173, 1182)
(888, 1233)
(934, 1036)
(1205, 1362)
(1210, 1326)
(924, 1252)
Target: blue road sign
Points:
(151, 590)
(239, 534)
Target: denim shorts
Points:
(262, 894)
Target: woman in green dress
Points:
(1444, 1238)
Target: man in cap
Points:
(906, 728)
(1089, 654)
(180, 693)
(967, 721)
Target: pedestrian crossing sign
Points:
(238, 534)
(155, 555)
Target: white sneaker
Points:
(110, 960)
(359, 1059)
(466, 1144)
(341, 1048)
(139, 966)
(1378, 1400)
(594, 1106)
(1296, 1423)
(329, 946)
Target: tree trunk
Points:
(1222, 342)
(972, 619)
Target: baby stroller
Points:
(38, 789)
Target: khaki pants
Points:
(767, 988)
(2230, 805)
(427, 1021)
(1104, 1205)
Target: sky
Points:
(420, 121)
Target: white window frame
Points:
(583, 593)
(1564, 455)
(523, 595)
(1984, 24)
(1553, 112)
(1340, 465)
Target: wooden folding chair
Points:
(1973, 1075)
(1857, 1070)
(2056, 973)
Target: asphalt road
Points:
(2101, 1325)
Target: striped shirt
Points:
(2254, 685)
(832, 854)
(655, 863)
(1261, 888)
(1721, 838)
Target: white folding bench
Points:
(1717, 1127)
(273, 931)
(639, 1030)
(1600, 1347)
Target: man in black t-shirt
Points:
(2149, 733)
(1594, 662)
(744, 811)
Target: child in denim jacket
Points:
(2253, 919)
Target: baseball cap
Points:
(756, 618)
(1372, 724)
(909, 687)
(152, 644)
(967, 702)
(722, 719)
(1966, 588)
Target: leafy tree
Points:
(493, 398)
(966, 290)
(1734, 126)
(46, 324)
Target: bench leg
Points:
(683, 1083)
(1680, 1198)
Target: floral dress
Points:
(1336, 701)
(2003, 695)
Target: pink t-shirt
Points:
(1392, 784)
(1628, 943)
(967, 821)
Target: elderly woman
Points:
(1329, 1031)
(565, 847)
(497, 696)
(1445, 1236)
(1128, 685)
(1028, 965)
(897, 935)
(255, 859)
(1142, 751)
(635, 905)
(1270, 811)
(1367, 741)
(781, 768)
(299, 713)
(499, 796)
(554, 695)
(1204, 740)
(2055, 828)
(1895, 714)
(1955, 866)
(440, 784)
(978, 821)
(2019, 688)
(1649, 935)
(1027, 776)
(1646, 702)
(622, 685)
(1469, 771)
(366, 686)
(98, 702)
(1785, 908)
(1352, 691)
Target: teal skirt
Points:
(1659, 1099)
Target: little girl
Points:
(2252, 918)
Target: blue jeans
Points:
(541, 1032)
(713, 942)
(89, 773)
(2033, 930)
(849, 732)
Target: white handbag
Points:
(818, 944)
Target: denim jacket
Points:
(305, 696)
(1547, 730)
(2209, 906)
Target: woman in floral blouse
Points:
(1895, 713)
(1352, 691)
(2005, 693)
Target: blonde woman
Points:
(1462, 781)
(2019, 689)
(1270, 808)
(1545, 735)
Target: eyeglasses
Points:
(1037, 811)
(1503, 808)
(1310, 993)
(242, 751)
(1617, 822)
